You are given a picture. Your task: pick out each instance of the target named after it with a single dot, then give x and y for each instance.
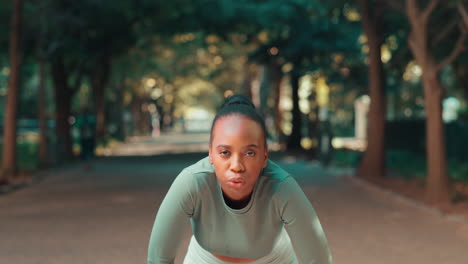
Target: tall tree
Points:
(96, 16)
(294, 140)
(56, 40)
(78, 47)
(99, 79)
(419, 41)
(42, 50)
(308, 42)
(373, 163)
(276, 78)
(42, 114)
(9, 135)
(64, 89)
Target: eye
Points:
(250, 153)
(224, 153)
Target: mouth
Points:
(236, 182)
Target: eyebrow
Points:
(248, 146)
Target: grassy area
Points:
(404, 164)
(458, 171)
(26, 155)
(346, 158)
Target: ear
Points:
(265, 156)
(210, 156)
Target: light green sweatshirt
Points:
(277, 201)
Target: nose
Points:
(237, 164)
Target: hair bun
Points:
(238, 100)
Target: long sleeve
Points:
(174, 212)
(302, 224)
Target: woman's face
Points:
(238, 154)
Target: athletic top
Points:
(277, 201)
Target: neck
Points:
(237, 204)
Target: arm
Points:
(175, 210)
(303, 226)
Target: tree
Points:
(428, 41)
(9, 138)
(78, 47)
(97, 16)
(64, 89)
(41, 51)
(56, 40)
(419, 43)
(373, 163)
(309, 41)
(42, 114)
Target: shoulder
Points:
(274, 172)
(201, 166)
(275, 178)
(201, 171)
(191, 183)
(282, 182)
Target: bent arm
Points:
(303, 226)
(173, 214)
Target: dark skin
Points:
(236, 204)
(238, 153)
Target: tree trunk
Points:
(313, 124)
(373, 162)
(169, 119)
(42, 115)
(9, 134)
(277, 76)
(137, 116)
(248, 79)
(294, 140)
(62, 110)
(264, 91)
(119, 112)
(437, 184)
(437, 188)
(256, 86)
(99, 82)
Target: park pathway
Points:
(102, 212)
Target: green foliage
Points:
(463, 113)
(27, 154)
(28, 103)
(458, 170)
(346, 158)
(311, 34)
(401, 163)
(406, 164)
(5, 16)
(409, 165)
(309, 41)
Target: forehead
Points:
(237, 127)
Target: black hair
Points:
(240, 105)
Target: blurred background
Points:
(332, 78)
(372, 88)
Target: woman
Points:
(243, 208)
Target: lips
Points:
(236, 182)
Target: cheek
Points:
(220, 168)
(218, 162)
(256, 167)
